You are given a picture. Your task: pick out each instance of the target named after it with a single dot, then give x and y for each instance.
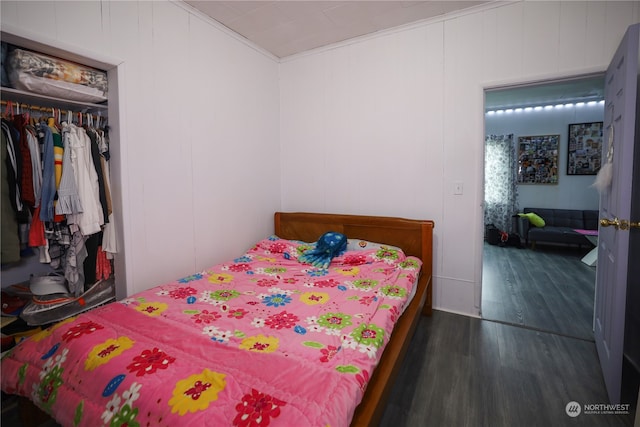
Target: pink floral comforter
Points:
(263, 340)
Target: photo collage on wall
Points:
(538, 159)
(585, 148)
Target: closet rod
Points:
(30, 107)
(16, 95)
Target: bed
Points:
(221, 371)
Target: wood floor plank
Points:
(548, 289)
(464, 371)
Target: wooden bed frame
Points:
(415, 237)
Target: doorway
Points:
(548, 288)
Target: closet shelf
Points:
(15, 95)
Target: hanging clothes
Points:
(103, 147)
(91, 219)
(48, 173)
(36, 163)
(65, 171)
(10, 243)
(20, 122)
(97, 164)
(68, 198)
(109, 240)
(58, 157)
(13, 167)
(103, 266)
(36, 231)
(76, 256)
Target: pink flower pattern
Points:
(367, 300)
(282, 320)
(277, 248)
(239, 268)
(257, 409)
(237, 313)
(149, 361)
(395, 313)
(81, 329)
(182, 293)
(328, 353)
(363, 380)
(328, 283)
(267, 283)
(206, 317)
(355, 259)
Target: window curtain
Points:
(500, 182)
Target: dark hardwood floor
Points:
(548, 288)
(464, 371)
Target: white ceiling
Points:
(288, 27)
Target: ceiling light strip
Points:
(548, 107)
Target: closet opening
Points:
(86, 115)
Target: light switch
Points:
(457, 188)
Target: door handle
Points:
(633, 224)
(621, 224)
(606, 222)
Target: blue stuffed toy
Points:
(330, 244)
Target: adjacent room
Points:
(293, 223)
(546, 284)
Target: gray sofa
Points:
(559, 226)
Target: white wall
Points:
(572, 191)
(200, 158)
(386, 124)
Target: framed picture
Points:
(538, 159)
(585, 148)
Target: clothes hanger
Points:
(8, 111)
(34, 111)
(51, 121)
